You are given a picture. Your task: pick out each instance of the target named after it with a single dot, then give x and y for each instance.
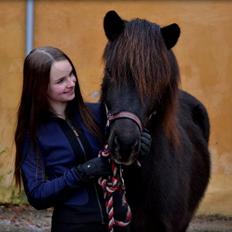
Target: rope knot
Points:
(115, 195)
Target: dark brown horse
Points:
(140, 89)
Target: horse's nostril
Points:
(116, 141)
(136, 146)
(116, 145)
(125, 144)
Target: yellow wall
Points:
(204, 52)
(12, 20)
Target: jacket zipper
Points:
(84, 152)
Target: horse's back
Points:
(193, 117)
(195, 112)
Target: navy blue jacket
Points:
(49, 175)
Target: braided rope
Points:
(110, 185)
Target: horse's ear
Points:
(113, 25)
(170, 35)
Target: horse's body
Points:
(165, 191)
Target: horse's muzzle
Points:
(124, 152)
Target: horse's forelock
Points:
(139, 55)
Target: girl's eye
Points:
(60, 81)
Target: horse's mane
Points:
(139, 55)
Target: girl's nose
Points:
(71, 82)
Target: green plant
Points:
(17, 197)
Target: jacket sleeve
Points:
(43, 193)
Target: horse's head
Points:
(140, 78)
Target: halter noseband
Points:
(123, 114)
(128, 115)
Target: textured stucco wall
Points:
(12, 20)
(204, 52)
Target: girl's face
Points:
(62, 83)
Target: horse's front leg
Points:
(146, 223)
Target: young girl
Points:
(58, 138)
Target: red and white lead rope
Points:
(110, 185)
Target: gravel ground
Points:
(27, 219)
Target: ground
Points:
(26, 219)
